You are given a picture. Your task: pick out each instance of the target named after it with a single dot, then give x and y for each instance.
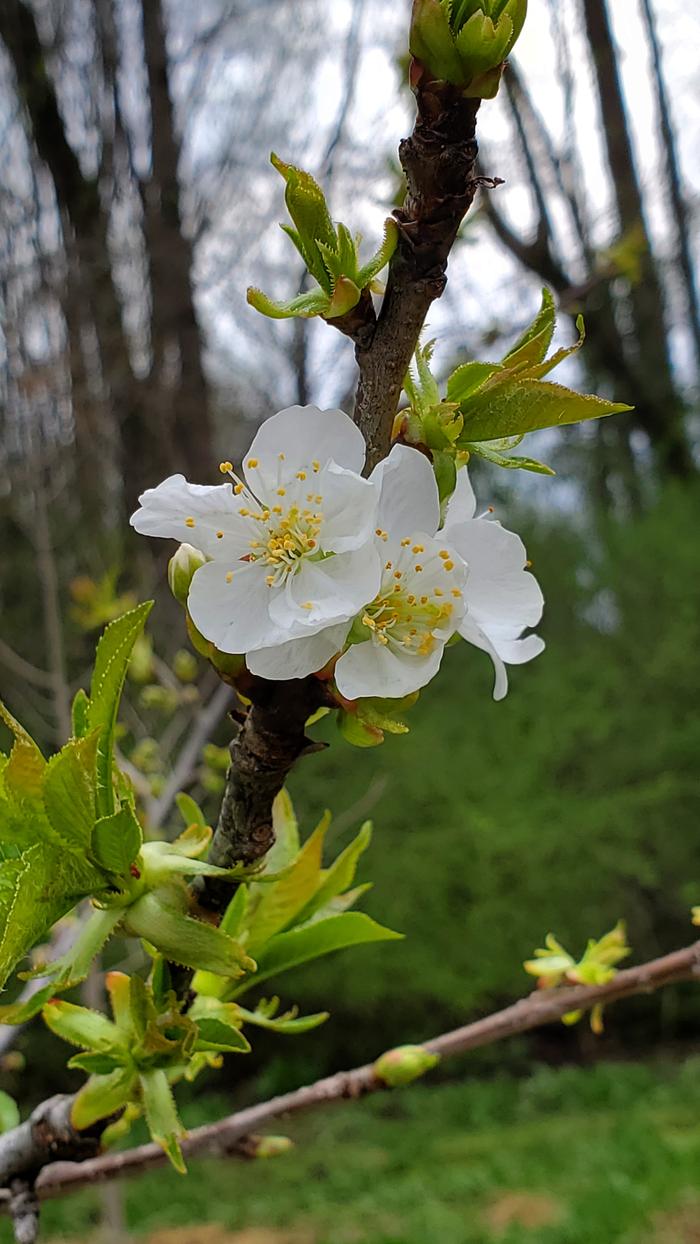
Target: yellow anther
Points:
(316, 466)
(238, 489)
(398, 574)
(245, 513)
(219, 535)
(447, 565)
(424, 600)
(444, 555)
(456, 592)
(411, 600)
(277, 509)
(528, 564)
(281, 457)
(309, 604)
(311, 543)
(418, 568)
(229, 577)
(281, 492)
(397, 587)
(225, 467)
(252, 463)
(439, 591)
(301, 475)
(189, 522)
(382, 638)
(418, 548)
(389, 566)
(405, 544)
(270, 580)
(490, 509)
(385, 536)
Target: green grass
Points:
(572, 1156)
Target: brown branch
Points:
(438, 160)
(27, 1145)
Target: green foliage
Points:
(574, 1155)
(330, 253)
(553, 966)
(466, 42)
(489, 407)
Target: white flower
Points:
(502, 597)
(292, 549)
(420, 602)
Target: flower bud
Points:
(272, 1146)
(465, 42)
(404, 1064)
(181, 570)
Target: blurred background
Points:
(137, 203)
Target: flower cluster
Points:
(304, 562)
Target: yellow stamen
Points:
(225, 467)
(252, 463)
(189, 522)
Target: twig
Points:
(26, 1144)
(23, 668)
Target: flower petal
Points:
(231, 607)
(462, 504)
(374, 669)
(295, 438)
(325, 592)
(349, 509)
(195, 514)
(408, 496)
(299, 657)
(469, 630)
(502, 596)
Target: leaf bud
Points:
(404, 1064)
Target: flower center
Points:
(398, 617)
(285, 539)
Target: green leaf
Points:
(287, 841)
(358, 732)
(483, 449)
(445, 469)
(534, 343)
(21, 1012)
(161, 1116)
(523, 405)
(468, 378)
(290, 1024)
(79, 713)
(82, 1027)
(310, 941)
(102, 1096)
(9, 1112)
(183, 940)
(381, 257)
(117, 840)
(317, 302)
(190, 811)
(306, 204)
(279, 903)
(340, 876)
(97, 1064)
(69, 792)
(193, 842)
(111, 662)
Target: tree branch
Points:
(48, 1138)
(438, 160)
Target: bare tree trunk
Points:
(663, 409)
(177, 381)
(675, 183)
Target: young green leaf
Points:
(117, 840)
(310, 941)
(82, 1027)
(282, 901)
(161, 1116)
(340, 876)
(102, 1096)
(183, 940)
(523, 405)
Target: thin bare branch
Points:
(28, 1143)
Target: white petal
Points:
(213, 508)
(470, 631)
(233, 615)
(374, 669)
(462, 504)
(502, 597)
(299, 657)
(336, 588)
(302, 435)
(518, 651)
(408, 497)
(349, 509)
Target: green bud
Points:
(404, 1064)
(465, 42)
(272, 1146)
(181, 570)
(185, 666)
